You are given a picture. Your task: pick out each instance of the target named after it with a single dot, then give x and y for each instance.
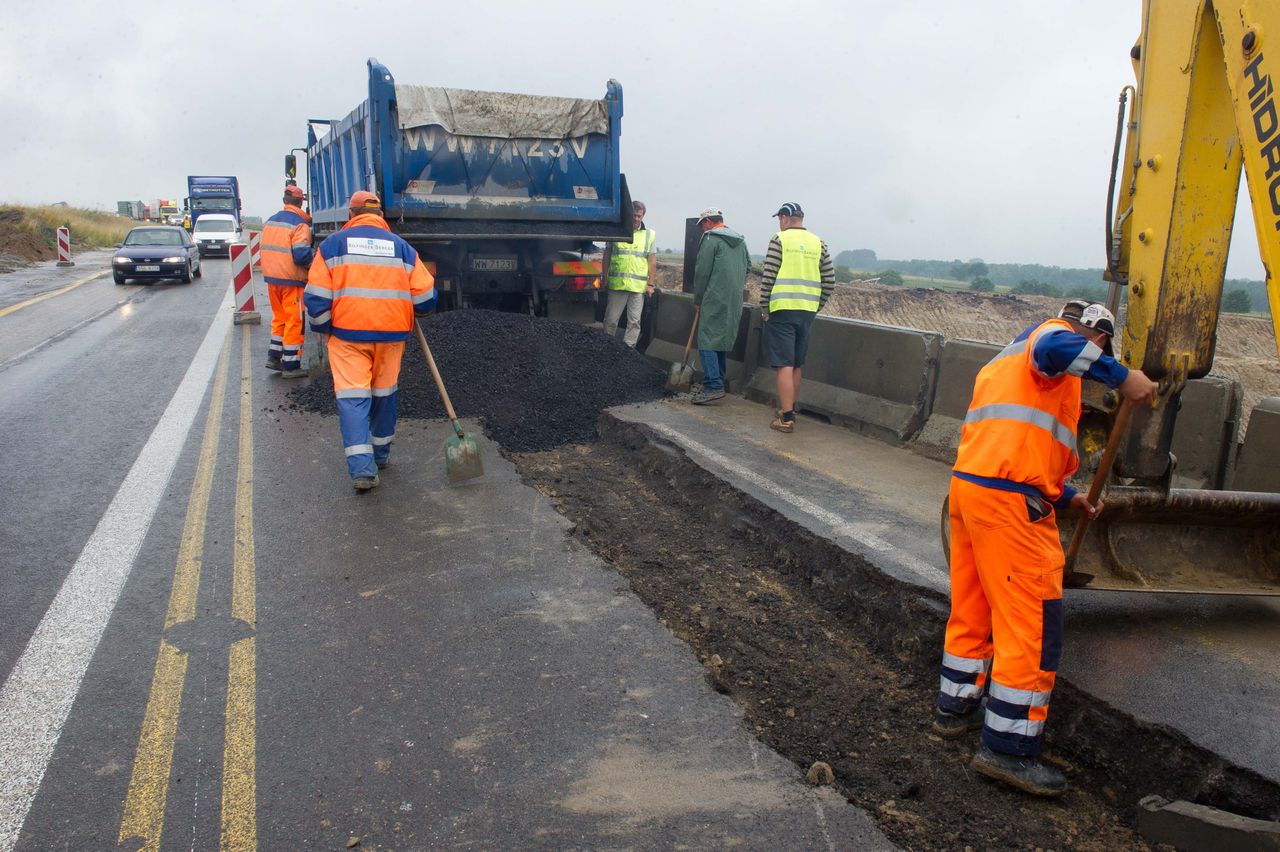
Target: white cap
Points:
(709, 212)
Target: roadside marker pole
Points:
(64, 247)
(242, 278)
(255, 249)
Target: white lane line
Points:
(842, 526)
(37, 697)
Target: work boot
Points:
(365, 483)
(382, 463)
(1026, 773)
(294, 373)
(953, 725)
(706, 397)
(273, 364)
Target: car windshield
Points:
(153, 237)
(214, 225)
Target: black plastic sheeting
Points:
(533, 383)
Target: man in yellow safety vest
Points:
(631, 268)
(798, 278)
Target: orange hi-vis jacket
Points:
(367, 284)
(286, 247)
(1021, 424)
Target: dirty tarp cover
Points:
(467, 112)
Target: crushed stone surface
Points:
(533, 383)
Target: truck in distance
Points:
(213, 194)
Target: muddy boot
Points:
(1026, 773)
(382, 463)
(365, 483)
(952, 725)
(273, 363)
(706, 397)
(294, 374)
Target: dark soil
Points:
(19, 242)
(533, 383)
(834, 661)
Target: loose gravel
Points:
(533, 383)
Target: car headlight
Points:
(122, 260)
(174, 259)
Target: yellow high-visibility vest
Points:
(629, 264)
(798, 286)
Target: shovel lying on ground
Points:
(682, 374)
(461, 455)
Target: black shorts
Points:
(787, 337)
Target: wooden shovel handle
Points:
(435, 373)
(1118, 430)
(693, 326)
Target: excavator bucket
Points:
(1183, 541)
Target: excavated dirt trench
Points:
(833, 661)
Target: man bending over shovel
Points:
(364, 289)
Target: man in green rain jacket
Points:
(719, 277)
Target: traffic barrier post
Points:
(255, 249)
(242, 279)
(64, 247)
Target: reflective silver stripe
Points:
(353, 393)
(1020, 696)
(323, 318)
(1016, 348)
(316, 290)
(273, 347)
(960, 690)
(424, 298)
(370, 293)
(797, 282)
(357, 449)
(292, 349)
(799, 296)
(275, 248)
(629, 275)
(1024, 414)
(382, 442)
(966, 664)
(385, 391)
(1021, 727)
(1085, 359)
(364, 260)
(617, 252)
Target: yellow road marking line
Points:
(144, 803)
(12, 309)
(239, 770)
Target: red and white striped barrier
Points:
(255, 249)
(242, 279)
(64, 247)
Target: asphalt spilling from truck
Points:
(831, 660)
(533, 383)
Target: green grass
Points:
(88, 227)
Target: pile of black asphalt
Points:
(533, 383)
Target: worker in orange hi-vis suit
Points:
(286, 255)
(365, 287)
(1017, 448)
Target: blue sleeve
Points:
(1064, 502)
(1062, 352)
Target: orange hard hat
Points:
(363, 198)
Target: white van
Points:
(215, 232)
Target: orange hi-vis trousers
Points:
(1004, 636)
(365, 382)
(286, 326)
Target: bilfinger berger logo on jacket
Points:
(371, 247)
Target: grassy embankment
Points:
(27, 232)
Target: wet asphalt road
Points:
(208, 640)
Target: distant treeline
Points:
(1030, 278)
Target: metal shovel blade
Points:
(680, 378)
(462, 457)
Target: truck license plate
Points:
(148, 268)
(493, 264)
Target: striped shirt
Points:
(773, 262)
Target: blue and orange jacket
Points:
(286, 247)
(367, 284)
(1019, 433)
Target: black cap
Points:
(790, 209)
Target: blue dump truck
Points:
(503, 195)
(212, 194)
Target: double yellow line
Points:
(145, 801)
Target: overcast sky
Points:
(920, 129)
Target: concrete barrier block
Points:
(1204, 435)
(877, 379)
(1258, 465)
(958, 366)
(1194, 827)
(671, 323)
